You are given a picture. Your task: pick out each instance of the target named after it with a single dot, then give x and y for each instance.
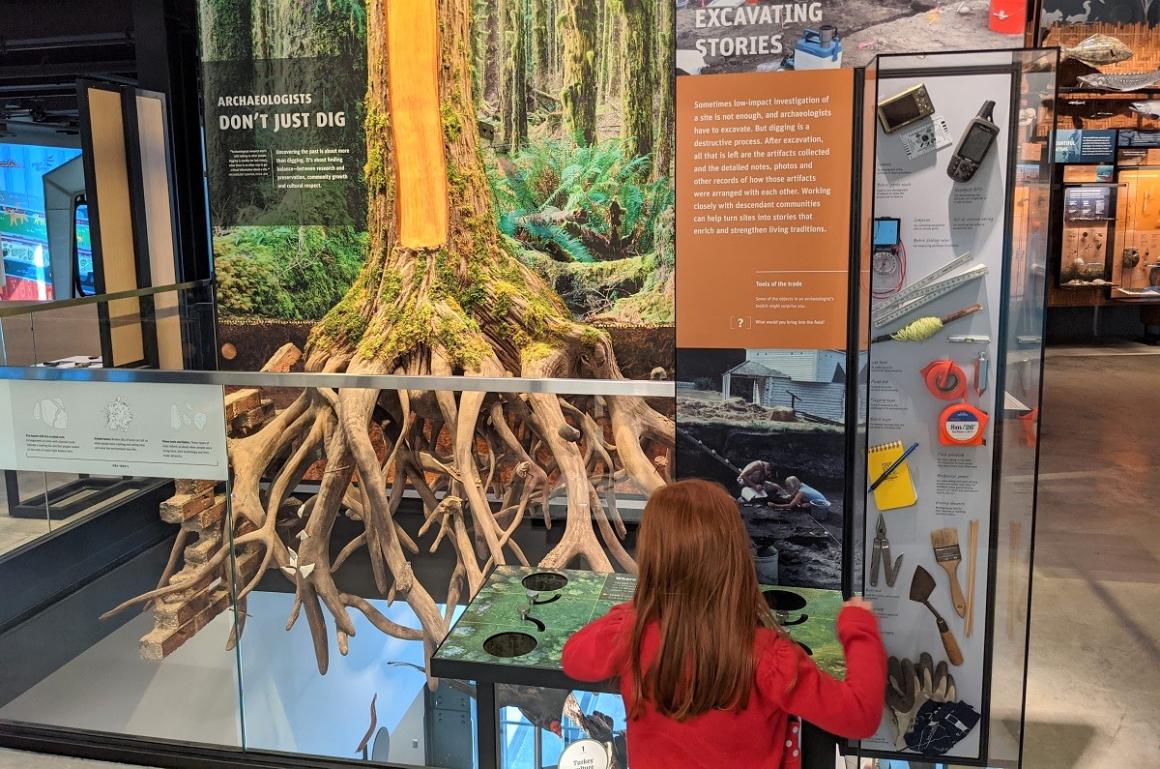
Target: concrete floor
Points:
(12, 759)
(1093, 697)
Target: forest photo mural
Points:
(567, 112)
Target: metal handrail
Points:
(638, 387)
(60, 304)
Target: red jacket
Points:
(755, 737)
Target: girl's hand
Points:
(858, 602)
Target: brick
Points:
(192, 487)
(199, 553)
(283, 359)
(252, 420)
(208, 517)
(175, 612)
(182, 507)
(241, 401)
(159, 643)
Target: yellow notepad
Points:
(897, 490)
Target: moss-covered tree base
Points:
(480, 462)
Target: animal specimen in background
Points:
(1098, 49)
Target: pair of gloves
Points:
(924, 706)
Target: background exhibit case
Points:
(954, 274)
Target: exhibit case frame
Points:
(966, 490)
(270, 595)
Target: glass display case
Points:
(279, 561)
(257, 530)
(954, 340)
(1136, 264)
(1088, 237)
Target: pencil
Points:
(893, 466)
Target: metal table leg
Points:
(818, 748)
(487, 725)
(12, 489)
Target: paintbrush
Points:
(948, 555)
(921, 586)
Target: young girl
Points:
(708, 679)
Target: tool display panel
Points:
(954, 337)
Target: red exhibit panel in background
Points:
(764, 166)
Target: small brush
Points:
(948, 555)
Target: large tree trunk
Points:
(580, 69)
(491, 48)
(226, 31)
(506, 97)
(666, 70)
(640, 68)
(541, 60)
(482, 15)
(517, 119)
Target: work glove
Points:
(924, 706)
(903, 697)
(939, 726)
(936, 682)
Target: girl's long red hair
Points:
(698, 582)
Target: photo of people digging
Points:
(774, 437)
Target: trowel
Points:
(921, 586)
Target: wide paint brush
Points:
(946, 551)
(921, 586)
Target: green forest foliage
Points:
(581, 183)
(286, 273)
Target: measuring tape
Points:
(928, 294)
(961, 424)
(945, 379)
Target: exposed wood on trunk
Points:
(412, 36)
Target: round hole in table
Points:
(783, 600)
(544, 581)
(509, 644)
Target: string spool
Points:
(945, 380)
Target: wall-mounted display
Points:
(1135, 268)
(26, 207)
(563, 166)
(936, 399)
(724, 37)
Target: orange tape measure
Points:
(961, 424)
(945, 379)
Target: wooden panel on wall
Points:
(114, 223)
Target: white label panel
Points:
(114, 428)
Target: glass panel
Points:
(1021, 385)
(539, 744)
(380, 532)
(89, 657)
(24, 515)
(167, 329)
(955, 358)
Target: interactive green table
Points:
(514, 632)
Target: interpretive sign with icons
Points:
(113, 428)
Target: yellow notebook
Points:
(897, 490)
